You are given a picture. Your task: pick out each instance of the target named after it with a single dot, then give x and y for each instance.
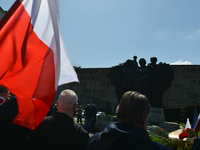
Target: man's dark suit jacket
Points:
(58, 132)
(90, 111)
(12, 136)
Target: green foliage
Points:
(112, 115)
(173, 145)
(190, 132)
(159, 135)
(164, 141)
(157, 131)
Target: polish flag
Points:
(33, 57)
(196, 126)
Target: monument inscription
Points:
(94, 83)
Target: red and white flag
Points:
(197, 124)
(32, 53)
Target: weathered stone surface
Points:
(185, 89)
(94, 84)
(156, 115)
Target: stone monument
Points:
(179, 85)
(151, 80)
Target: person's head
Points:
(142, 62)
(134, 108)
(91, 101)
(4, 92)
(153, 61)
(135, 57)
(67, 102)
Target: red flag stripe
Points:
(27, 66)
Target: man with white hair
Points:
(59, 131)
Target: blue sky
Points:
(104, 33)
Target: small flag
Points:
(188, 124)
(196, 127)
(30, 53)
(195, 117)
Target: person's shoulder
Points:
(8, 111)
(79, 128)
(158, 146)
(196, 144)
(49, 118)
(94, 142)
(80, 131)
(46, 123)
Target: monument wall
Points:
(95, 84)
(185, 89)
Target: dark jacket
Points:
(58, 132)
(196, 144)
(123, 136)
(12, 136)
(90, 111)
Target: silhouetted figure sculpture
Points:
(134, 75)
(123, 76)
(151, 80)
(143, 70)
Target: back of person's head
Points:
(133, 108)
(3, 92)
(67, 101)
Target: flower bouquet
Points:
(188, 135)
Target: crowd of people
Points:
(59, 131)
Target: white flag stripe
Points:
(48, 33)
(41, 20)
(67, 72)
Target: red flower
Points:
(183, 135)
(158, 132)
(162, 129)
(187, 129)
